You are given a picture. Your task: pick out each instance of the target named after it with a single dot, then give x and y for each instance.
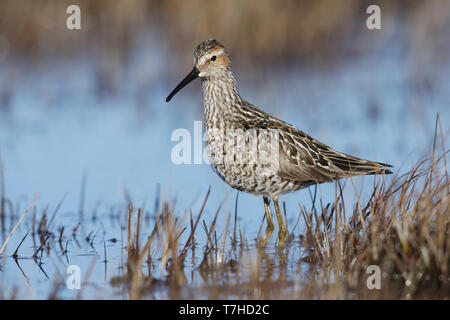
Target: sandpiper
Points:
(299, 160)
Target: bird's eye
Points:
(213, 58)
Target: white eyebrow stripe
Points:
(207, 57)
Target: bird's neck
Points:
(220, 97)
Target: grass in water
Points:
(402, 231)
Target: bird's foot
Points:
(267, 235)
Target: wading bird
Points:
(296, 160)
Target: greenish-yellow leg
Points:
(282, 232)
(269, 229)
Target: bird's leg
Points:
(269, 229)
(282, 232)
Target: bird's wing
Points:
(301, 156)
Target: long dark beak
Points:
(191, 76)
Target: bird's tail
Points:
(356, 166)
(381, 168)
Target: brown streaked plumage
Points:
(284, 159)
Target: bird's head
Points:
(210, 60)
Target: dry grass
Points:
(404, 229)
(2, 248)
(303, 30)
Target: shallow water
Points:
(56, 133)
